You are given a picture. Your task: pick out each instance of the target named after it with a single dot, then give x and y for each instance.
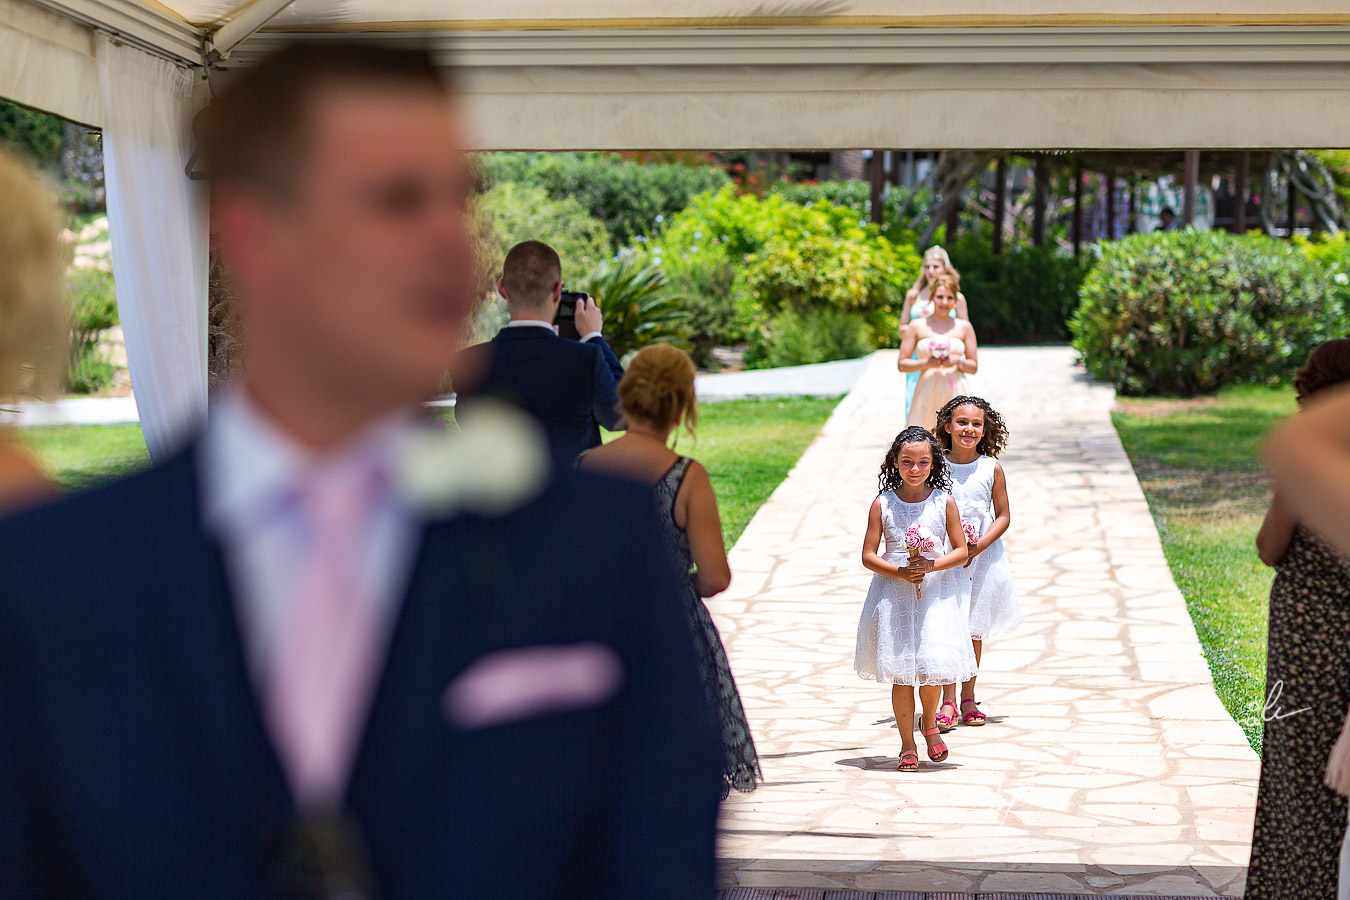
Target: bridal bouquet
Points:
(919, 539)
(939, 348)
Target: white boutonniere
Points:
(495, 463)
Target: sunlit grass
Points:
(82, 456)
(1199, 464)
(748, 446)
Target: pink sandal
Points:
(909, 760)
(936, 752)
(946, 723)
(972, 716)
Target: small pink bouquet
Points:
(919, 539)
(940, 348)
(972, 533)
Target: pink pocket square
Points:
(515, 684)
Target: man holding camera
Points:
(568, 380)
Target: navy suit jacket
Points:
(571, 387)
(134, 763)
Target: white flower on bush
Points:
(496, 463)
(1341, 278)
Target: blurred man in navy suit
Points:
(257, 670)
(570, 386)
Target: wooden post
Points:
(878, 186)
(1293, 207)
(1240, 189)
(1192, 181)
(1041, 174)
(897, 176)
(1110, 204)
(953, 218)
(1077, 206)
(1000, 201)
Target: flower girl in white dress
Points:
(912, 632)
(973, 434)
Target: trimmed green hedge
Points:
(1190, 312)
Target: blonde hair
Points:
(659, 386)
(33, 323)
(921, 283)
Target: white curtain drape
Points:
(157, 222)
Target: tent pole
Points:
(243, 23)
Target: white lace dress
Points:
(907, 640)
(993, 608)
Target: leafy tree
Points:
(630, 198)
(33, 134)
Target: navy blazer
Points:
(571, 387)
(134, 763)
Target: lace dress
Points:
(993, 606)
(740, 763)
(904, 639)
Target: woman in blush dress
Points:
(918, 305)
(32, 317)
(942, 350)
(657, 395)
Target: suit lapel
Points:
(447, 616)
(211, 680)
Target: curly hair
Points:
(995, 437)
(659, 387)
(939, 478)
(1327, 366)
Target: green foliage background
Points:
(1190, 312)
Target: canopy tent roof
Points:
(622, 74)
(337, 14)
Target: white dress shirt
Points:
(540, 323)
(251, 474)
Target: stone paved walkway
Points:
(1108, 765)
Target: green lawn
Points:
(1200, 467)
(748, 446)
(80, 456)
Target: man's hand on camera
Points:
(588, 318)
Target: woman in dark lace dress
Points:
(657, 394)
(1300, 822)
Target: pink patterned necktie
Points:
(327, 657)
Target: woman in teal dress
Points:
(936, 264)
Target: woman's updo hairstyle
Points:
(658, 386)
(1328, 366)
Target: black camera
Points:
(566, 319)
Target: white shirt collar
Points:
(248, 462)
(532, 323)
